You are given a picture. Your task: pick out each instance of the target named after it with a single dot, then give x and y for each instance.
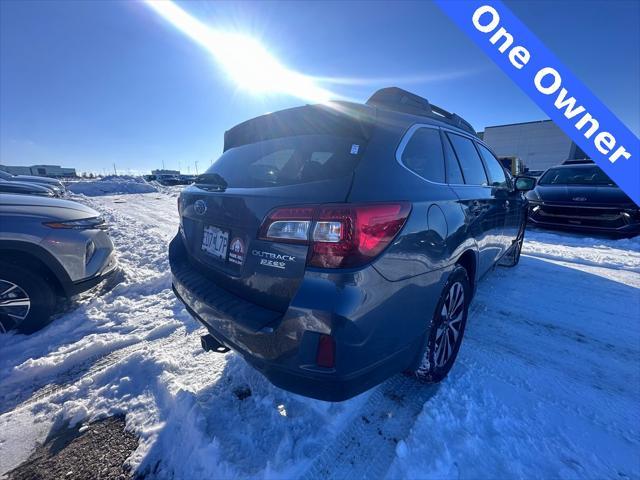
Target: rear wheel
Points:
(27, 301)
(447, 329)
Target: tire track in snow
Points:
(367, 447)
(93, 366)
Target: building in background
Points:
(55, 171)
(539, 145)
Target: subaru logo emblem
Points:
(579, 199)
(200, 207)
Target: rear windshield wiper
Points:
(212, 182)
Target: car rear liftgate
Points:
(295, 163)
(221, 233)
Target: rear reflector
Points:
(326, 352)
(339, 235)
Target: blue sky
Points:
(89, 84)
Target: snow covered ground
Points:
(547, 383)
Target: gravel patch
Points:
(94, 451)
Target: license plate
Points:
(215, 242)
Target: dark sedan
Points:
(582, 197)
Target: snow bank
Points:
(111, 186)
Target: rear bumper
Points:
(374, 339)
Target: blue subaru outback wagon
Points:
(336, 245)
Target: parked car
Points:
(49, 248)
(336, 245)
(24, 188)
(172, 180)
(534, 173)
(54, 184)
(169, 180)
(582, 197)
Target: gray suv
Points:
(49, 248)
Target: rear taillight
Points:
(339, 235)
(288, 224)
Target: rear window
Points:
(423, 154)
(285, 161)
(469, 159)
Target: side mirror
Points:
(524, 184)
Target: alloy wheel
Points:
(15, 305)
(449, 329)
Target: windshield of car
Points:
(576, 176)
(5, 175)
(285, 161)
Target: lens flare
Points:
(243, 58)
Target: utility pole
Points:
(196, 162)
(115, 172)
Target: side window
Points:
(496, 172)
(423, 154)
(454, 174)
(469, 159)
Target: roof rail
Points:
(397, 99)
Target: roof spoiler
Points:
(343, 119)
(399, 100)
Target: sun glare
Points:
(247, 62)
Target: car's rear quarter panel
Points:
(416, 265)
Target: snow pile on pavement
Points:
(547, 375)
(111, 186)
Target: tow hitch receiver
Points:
(210, 344)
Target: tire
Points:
(446, 331)
(27, 299)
